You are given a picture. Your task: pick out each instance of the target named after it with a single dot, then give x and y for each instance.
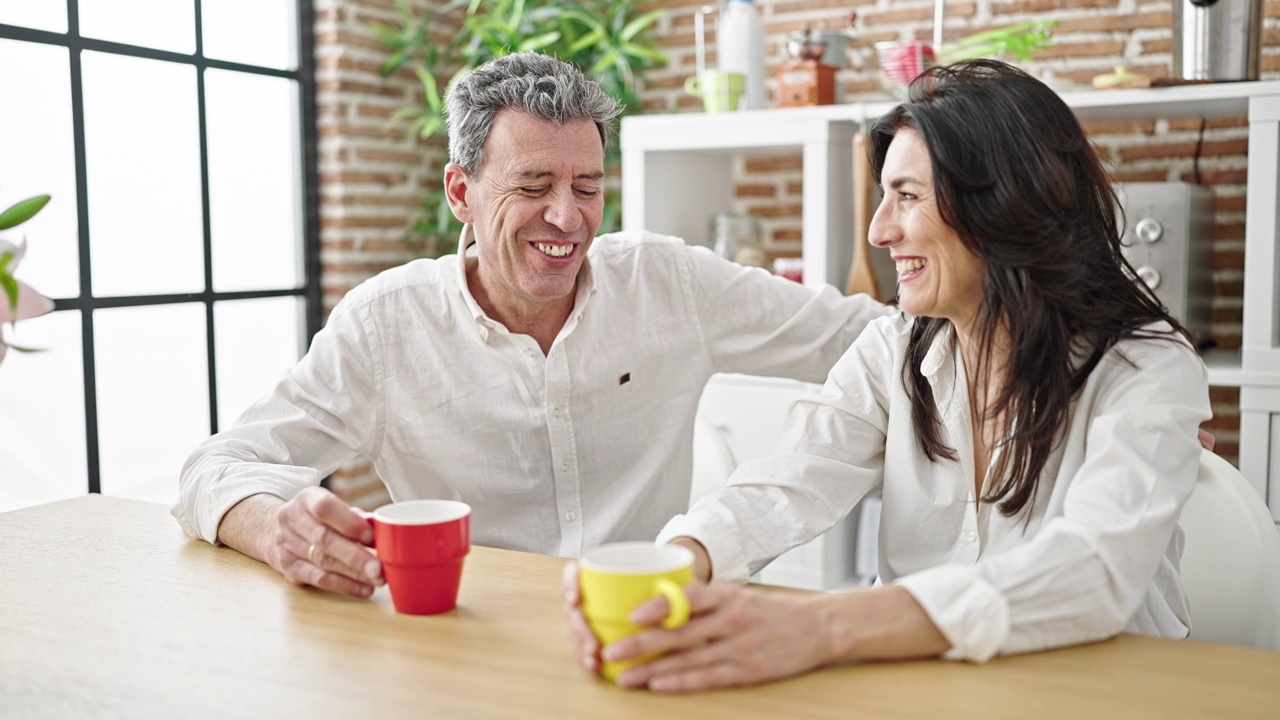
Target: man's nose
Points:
(563, 212)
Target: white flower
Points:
(30, 302)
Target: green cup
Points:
(720, 91)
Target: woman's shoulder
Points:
(882, 343)
(1153, 350)
(1154, 342)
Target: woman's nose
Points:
(883, 230)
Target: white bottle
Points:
(740, 49)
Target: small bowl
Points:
(903, 62)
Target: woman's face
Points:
(937, 275)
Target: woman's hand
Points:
(737, 636)
(584, 641)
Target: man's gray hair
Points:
(540, 85)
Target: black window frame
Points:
(85, 302)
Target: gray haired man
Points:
(546, 377)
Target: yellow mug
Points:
(720, 91)
(616, 579)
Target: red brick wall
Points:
(371, 174)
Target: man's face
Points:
(534, 209)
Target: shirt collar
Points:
(941, 354)
(465, 241)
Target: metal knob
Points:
(1149, 230)
(1150, 276)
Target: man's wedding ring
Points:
(311, 554)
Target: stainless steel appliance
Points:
(1168, 238)
(1217, 39)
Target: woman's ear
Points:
(456, 183)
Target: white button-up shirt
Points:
(556, 454)
(1094, 553)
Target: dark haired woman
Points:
(1031, 419)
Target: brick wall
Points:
(371, 174)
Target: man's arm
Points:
(758, 324)
(254, 485)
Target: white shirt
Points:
(556, 454)
(1095, 553)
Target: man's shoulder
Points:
(424, 277)
(636, 244)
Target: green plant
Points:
(607, 39)
(21, 300)
(1020, 41)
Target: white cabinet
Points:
(677, 170)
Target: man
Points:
(547, 379)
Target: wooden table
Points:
(108, 610)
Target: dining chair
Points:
(1231, 559)
(713, 460)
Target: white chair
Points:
(1231, 560)
(713, 460)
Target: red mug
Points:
(421, 544)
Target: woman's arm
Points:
(745, 636)
(1098, 556)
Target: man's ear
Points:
(456, 184)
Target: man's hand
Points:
(313, 539)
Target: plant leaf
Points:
(23, 211)
(635, 26)
(540, 41)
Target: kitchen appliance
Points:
(1217, 39)
(1168, 238)
(805, 79)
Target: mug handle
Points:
(677, 600)
(368, 517)
(691, 85)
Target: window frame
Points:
(309, 289)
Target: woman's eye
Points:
(906, 196)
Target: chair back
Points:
(713, 460)
(1231, 559)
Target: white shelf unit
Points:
(677, 170)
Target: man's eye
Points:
(533, 190)
(588, 192)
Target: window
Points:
(181, 245)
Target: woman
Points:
(1030, 417)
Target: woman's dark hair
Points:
(1017, 179)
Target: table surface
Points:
(108, 610)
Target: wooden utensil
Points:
(862, 276)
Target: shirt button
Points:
(528, 352)
(555, 411)
(564, 466)
(971, 536)
(571, 516)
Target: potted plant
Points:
(21, 301)
(606, 39)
